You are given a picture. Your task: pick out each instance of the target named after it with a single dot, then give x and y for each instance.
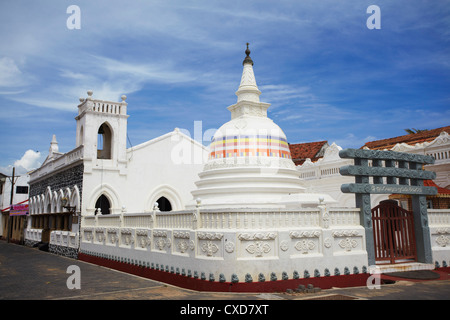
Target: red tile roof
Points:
(411, 139)
(441, 191)
(301, 151)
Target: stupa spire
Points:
(248, 89)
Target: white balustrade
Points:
(137, 221)
(438, 217)
(174, 220)
(228, 219)
(109, 220)
(344, 217)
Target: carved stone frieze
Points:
(160, 233)
(141, 232)
(209, 236)
(181, 234)
(345, 233)
(442, 230)
(304, 234)
(257, 236)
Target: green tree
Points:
(414, 131)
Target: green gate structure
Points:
(402, 173)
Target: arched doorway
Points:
(164, 204)
(103, 204)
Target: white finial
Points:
(90, 92)
(53, 145)
(123, 97)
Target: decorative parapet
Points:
(103, 106)
(64, 160)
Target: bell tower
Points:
(102, 131)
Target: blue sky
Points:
(325, 74)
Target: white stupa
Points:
(250, 163)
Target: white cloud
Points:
(30, 160)
(10, 74)
(282, 93)
(352, 141)
(47, 103)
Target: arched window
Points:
(102, 204)
(164, 204)
(104, 142)
(81, 136)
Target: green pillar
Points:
(421, 229)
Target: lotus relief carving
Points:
(305, 246)
(113, 238)
(209, 248)
(229, 247)
(258, 248)
(160, 244)
(443, 241)
(348, 244)
(182, 246)
(144, 241)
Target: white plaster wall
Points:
(166, 166)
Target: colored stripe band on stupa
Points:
(257, 145)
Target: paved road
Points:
(29, 274)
